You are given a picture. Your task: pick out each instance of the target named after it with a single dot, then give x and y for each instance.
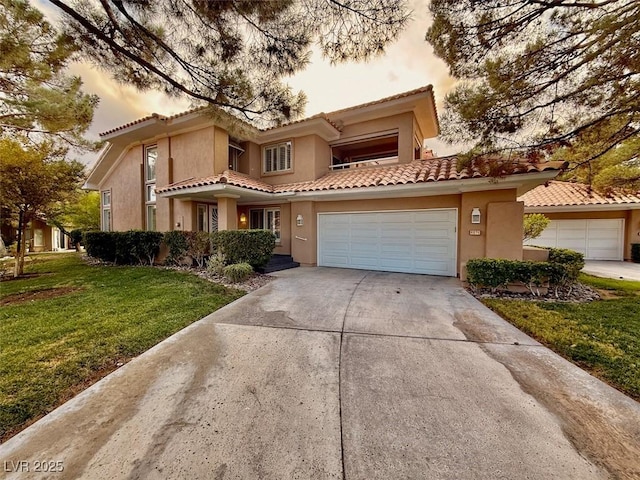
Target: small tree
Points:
(34, 179)
(534, 225)
(81, 211)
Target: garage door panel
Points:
(407, 241)
(596, 239)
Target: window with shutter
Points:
(277, 158)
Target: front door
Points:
(207, 218)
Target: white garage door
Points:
(595, 239)
(417, 241)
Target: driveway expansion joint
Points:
(375, 334)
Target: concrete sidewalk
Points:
(329, 373)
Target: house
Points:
(601, 227)
(41, 237)
(342, 189)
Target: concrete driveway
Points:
(609, 269)
(329, 373)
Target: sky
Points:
(408, 63)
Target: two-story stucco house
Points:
(343, 189)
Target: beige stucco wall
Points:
(504, 230)
(221, 150)
(285, 230)
(472, 246)
(304, 249)
(310, 159)
(127, 194)
(193, 154)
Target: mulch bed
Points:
(578, 293)
(254, 282)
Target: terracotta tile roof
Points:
(424, 89)
(417, 171)
(228, 177)
(135, 122)
(321, 115)
(164, 118)
(571, 194)
(325, 116)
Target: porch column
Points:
(227, 212)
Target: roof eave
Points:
(312, 126)
(92, 179)
(609, 207)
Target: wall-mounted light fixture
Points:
(177, 224)
(243, 219)
(475, 215)
(299, 220)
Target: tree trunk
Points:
(21, 247)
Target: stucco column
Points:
(227, 212)
(303, 237)
(504, 230)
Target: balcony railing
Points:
(365, 163)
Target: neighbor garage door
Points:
(596, 239)
(417, 241)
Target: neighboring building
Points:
(344, 189)
(601, 227)
(41, 237)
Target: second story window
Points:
(277, 158)
(235, 151)
(150, 157)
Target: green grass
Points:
(603, 336)
(52, 348)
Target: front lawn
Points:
(602, 336)
(73, 323)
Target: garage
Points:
(596, 239)
(413, 241)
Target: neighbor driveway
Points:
(329, 373)
(609, 269)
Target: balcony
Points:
(379, 150)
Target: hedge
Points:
(181, 245)
(176, 242)
(560, 271)
(635, 252)
(254, 247)
(125, 248)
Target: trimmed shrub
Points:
(238, 272)
(571, 262)
(125, 248)
(100, 245)
(254, 247)
(635, 252)
(497, 274)
(216, 264)
(176, 242)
